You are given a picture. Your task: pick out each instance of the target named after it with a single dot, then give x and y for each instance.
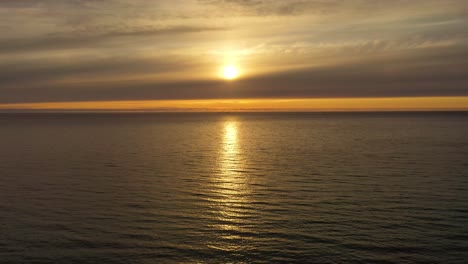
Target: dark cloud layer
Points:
(441, 72)
(36, 71)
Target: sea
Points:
(389, 187)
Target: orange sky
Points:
(344, 104)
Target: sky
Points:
(291, 55)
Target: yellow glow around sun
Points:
(230, 72)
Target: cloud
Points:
(342, 8)
(431, 72)
(37, 71)
(258, 7)
(74, 40)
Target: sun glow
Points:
(230, 72)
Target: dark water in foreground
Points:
(217, 188)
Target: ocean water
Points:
(234, 188)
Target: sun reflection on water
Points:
(230, 191)
(230, 155)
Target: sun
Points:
(230, 72)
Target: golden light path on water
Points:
(231, 191)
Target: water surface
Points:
(236, 188)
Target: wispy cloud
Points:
(84, 39)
